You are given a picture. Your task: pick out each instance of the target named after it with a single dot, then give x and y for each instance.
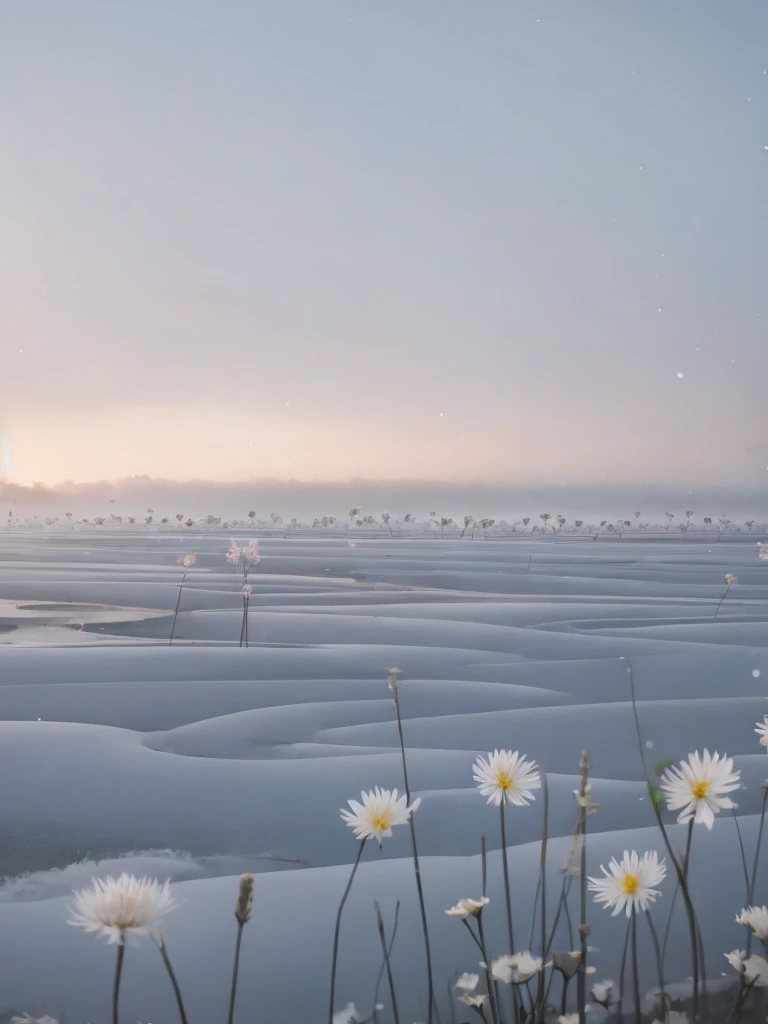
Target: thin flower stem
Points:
(383, 967)
(337, 930)
(636, 972)
(622, 974)
(721, 602)
(178, 602)
(741, 999)
(659, 963)
(742, 851)
(564, 997)
(682, 880)
(245, 613)
(235, 971)
(543, 878)
(584, 930)
(385, 951)
(753, 878)
(492, 995)
(176, 990)
(118, 977)
(669, 921)
(431, 1000)
(505, 866)
(688, 843)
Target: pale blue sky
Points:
(283, 237)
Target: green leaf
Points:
(657, 796)
(662, 766)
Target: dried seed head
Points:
(244, 903)
(392, 676)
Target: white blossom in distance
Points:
(507, 776)
(629, 884)
(602, 991)
(379, 811)
(697, 787)
(730, 579)
(187, 561)
(515, 968)
(247, 555)
(468, 982)
(762, 551)
(754, 968)
(756, 919)
(467, 907)
(346, 1016)
(247, 590)
(113, 907)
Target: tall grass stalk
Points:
(243, 908)
(385, 951)
(178, 603)
(393, 675)
(681, 877)
(720, 605)
(584, 929)
(337, 930)
(543, 876)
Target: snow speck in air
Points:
(756, 673)
(681, 375)
(649, 744)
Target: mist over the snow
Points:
(306, 500)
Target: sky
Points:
(498, 240)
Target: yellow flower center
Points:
(380, 822)
(700, 789)
(504, 781)
(631, 884)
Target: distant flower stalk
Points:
(186, 562)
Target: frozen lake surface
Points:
(203, 759)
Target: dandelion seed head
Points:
(113, 907)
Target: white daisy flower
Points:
(756, 919)
(698, 786)
(515, 968)
(467, 981)
(464, 908)
(629, 885)
(507, 776)
(754, 968)
(602, 991)
(762, 731)
(475, 1001)
(114, 906)
(379, 811)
